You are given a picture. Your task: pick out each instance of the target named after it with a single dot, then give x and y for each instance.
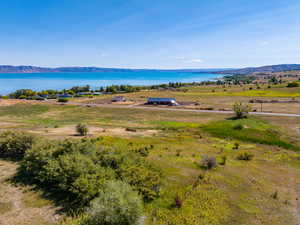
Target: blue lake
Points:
(10, 82)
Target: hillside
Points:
(263, 69)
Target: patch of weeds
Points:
(246, 156)
(223, 160)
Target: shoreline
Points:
(60, 81)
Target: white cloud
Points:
(189, 60)
(194, 61)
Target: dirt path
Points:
(13, 207)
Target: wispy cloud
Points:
(194, 61)
(189, 60)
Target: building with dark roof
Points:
(162, 101)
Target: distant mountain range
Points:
(249, 70)
(263, 69)
(35, 69)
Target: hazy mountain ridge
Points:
(263, 69)
(36, 69)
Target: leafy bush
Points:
(117, 204)
(208, 162)
(293, 84)
(63, 100)
(245, 156)
(82, 129)
(241, 110)
(14, 144)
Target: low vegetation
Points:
(13, 145)
(80, 169)
(254, 130)
(204, 169)
(82, 129)
(241, 110)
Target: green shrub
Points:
(142, 176)
(82, 129)
(238, 127)
(241, 110)
(63, 100)
(13, 145)
(293, 84)
(117, 204)
(208, 162)
(245, 156)
(223, 160)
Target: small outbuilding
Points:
(118, 99)
(162, 101)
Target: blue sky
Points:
(149, 34)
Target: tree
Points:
(23, 93)
(117, 204)
(241, 110)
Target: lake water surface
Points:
(10, 82)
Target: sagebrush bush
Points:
(82, 129)
(208, 162)
(245, 156)
(117, 204)
(14, 144)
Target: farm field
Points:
(264, 190)
(278, 98)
